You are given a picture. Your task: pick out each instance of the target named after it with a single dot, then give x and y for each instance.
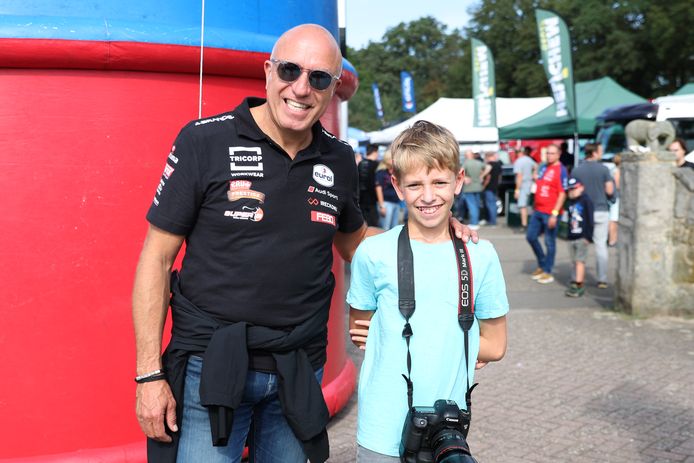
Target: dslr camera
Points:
(436, 434)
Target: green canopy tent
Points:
(686, 89)
(592, 97)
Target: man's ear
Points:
(267, 66)
(396, 185)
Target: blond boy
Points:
(427, 176)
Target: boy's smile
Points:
(429, 196)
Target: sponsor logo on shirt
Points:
(254, 214)
(171, 155)
(168, 170)
(161, 186)
(322, 217)
(239, 189)
(323, 175)
(226, 117)
(316, 202)
(245, 161)
(328, 193)
(330, 135)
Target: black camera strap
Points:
(406, 301)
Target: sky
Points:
(368, 20)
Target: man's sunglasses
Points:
(289, 72)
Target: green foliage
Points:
(644, 45)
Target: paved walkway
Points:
(579, 383)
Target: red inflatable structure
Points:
(85, 126)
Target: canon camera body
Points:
(436, 434)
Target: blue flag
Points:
(377, 101)
(407, 84)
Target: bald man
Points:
(260, 195)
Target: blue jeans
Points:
(537, 225)
(490, 204)
(273, 439)
(392, 217)
(471, 203)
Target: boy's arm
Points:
(492, 339)
(359, 321)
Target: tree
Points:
(424, 48)
(643, 44)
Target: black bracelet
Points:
(157, 377)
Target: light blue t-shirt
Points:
(437, 347)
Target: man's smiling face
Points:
(296, 106)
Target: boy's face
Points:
(429, 196)
(575, 192)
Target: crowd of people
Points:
(588, 191)
(381, 206)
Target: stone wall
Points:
(655, 274)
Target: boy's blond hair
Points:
(425, 144)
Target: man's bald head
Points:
(314, 34)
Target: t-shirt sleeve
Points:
(351, 218)
(491, 300)
(179, 193)
(564, 178)
(362, 289)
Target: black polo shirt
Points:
(259, 226)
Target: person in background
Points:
(524, 169)
(580, 235)
(549, 200)
(368, 202)
(599, 187)
(566, 158)
(615, 172)
(492, 173)
(388, 201)
(679, 147)
(472, 188)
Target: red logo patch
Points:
(322, 217)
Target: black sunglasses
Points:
(289, 72)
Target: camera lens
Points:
(449, 446)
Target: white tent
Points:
(456, 114)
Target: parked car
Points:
(679, 110)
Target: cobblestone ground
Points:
(579, 383)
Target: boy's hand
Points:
(359, 335)
(463, 231)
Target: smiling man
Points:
(259, 195)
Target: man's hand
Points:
(154, 404)
(359, 335)
(552, 222)
(463, 231)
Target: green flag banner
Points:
(555, 45)
(483, 92)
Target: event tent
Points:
(592, 97)
(686, 89)
(456, 114)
